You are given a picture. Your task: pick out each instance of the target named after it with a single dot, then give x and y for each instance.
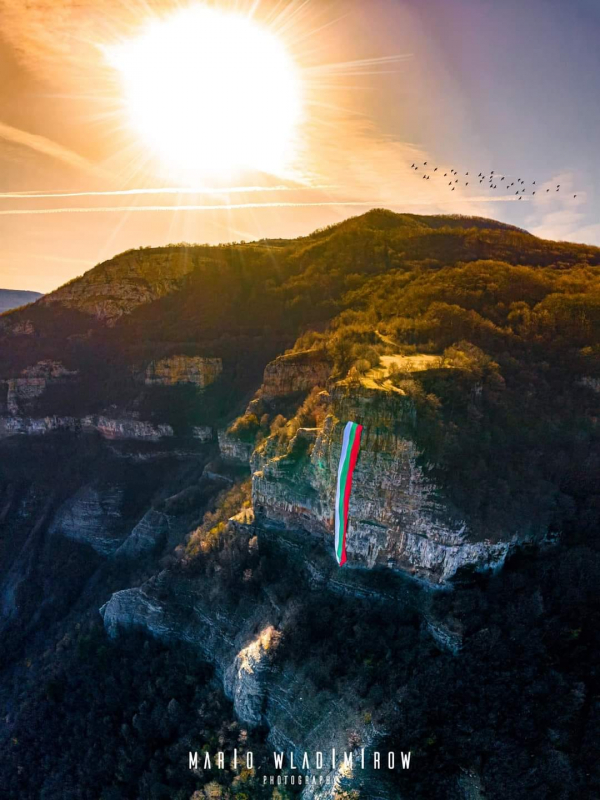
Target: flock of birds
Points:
(493, 180)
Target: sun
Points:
(211, 92)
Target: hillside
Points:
(13, 298)
(170, 426)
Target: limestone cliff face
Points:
(233, 449)
(397, 516)
(92, 516)
(108, 428)
(295, 372)
(17, 327)
(195, 370)
(241, 642)
(146, 536)
(32, 383)
(120, 285)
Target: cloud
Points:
(55, 39)
(49, 195)
(418, 204)
(561, 215)
(44, 146)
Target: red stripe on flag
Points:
(348, 487)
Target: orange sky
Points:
(386, 85)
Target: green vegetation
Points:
(518, 704)
(493, 336)
(116, 720)
(246, 303)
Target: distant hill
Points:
(13, 298)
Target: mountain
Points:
(13, 298)
(170, 426)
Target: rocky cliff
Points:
(294, 373)
(122, 284)
(242, 641)
(33, 382)
(398, 517)
(390, 309)
(195, 370)
(127, 428)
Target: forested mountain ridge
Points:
(169, 432)
(253, 298)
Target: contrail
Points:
(240, 206)
(46, 146)
(33, 195)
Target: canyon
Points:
(170, 430)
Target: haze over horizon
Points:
(461, 84)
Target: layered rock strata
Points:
(175, 370)
(398, 517)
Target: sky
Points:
(100, 152)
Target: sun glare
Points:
(211, 92)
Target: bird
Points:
(492, 172)
(533, 192)
(573, 195)
(501, 179)
(520, 198)
(534, 183)
(516, 193)
(466, 173)
(435, 170)
(453, 188)
(456, 181)
(479, 175)
(424, 163)
(547, 190)
(513, 183)
(428, 177)
(412, 165)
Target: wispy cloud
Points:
(183, 190)
(561, 214)
(44, 146)
(239, 206)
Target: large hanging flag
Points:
(350, 448)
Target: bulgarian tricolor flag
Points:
(350, 448)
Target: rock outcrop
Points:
(120, 285)
(109, 428)
(93, 516)
(233, 449)
(175, 370)
(240, 642)
(295, 372)
(398, 517)
(17, 327)
(147, 536)
(32, 383)
(204, 433)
